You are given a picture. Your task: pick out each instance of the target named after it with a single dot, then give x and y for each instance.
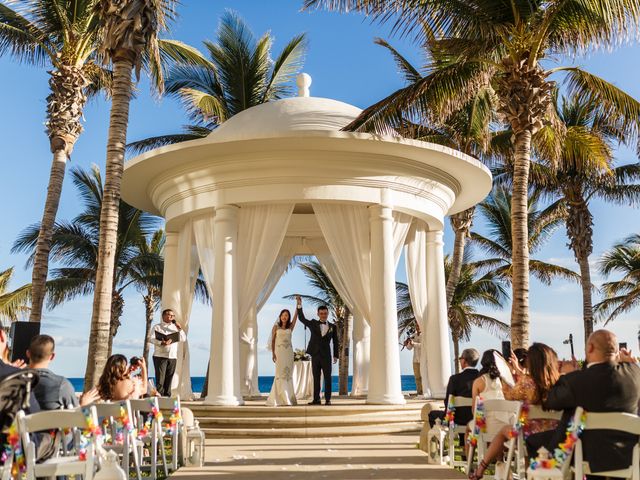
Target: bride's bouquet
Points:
(300, 355)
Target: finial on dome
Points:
(303, 81)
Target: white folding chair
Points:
(511, 411)
(5, 470)
(65, 461)
(109, 417)
(153, 439)
(457, 430)
(167, 404)
(536, 412)
(621, 422)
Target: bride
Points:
(282, 391)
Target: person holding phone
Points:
(165, 337)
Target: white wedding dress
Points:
(283, 391)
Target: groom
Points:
(322, 334)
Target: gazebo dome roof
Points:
(282, 117)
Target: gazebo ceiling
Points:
(293, 150)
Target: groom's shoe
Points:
(315, 402)
(327, 402)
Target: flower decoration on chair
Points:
(175, 419)
(450, 414)
(13, 449)
(521, 422)
(154, 414)
(92, 430)
(479, 423)
(561, 454)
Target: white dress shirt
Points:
(166, 351)
(324, 328)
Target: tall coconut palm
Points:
(74, 246)
(327, 295)
(236, 73)
(622, 295)
(496, 211)
(13, 303)
(507, 46)
(585, 171)
(129, 28)
(63, 37)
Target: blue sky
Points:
(345, 65)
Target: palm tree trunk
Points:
(345, 341)
(65, 104)
(461, 224)
(148, 313)
(519, 238)
(456, 353)
(580, 232)
(117, 308)
(100, 320)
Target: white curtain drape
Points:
(187, 274)
(287, 251)
(401, 226)
(346, 231)
(261, 231)
(416, 265)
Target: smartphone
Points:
(622, 345)
(506, 349)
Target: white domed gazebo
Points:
(281, 179)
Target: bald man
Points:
(609, 383)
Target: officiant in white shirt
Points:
(165, 337)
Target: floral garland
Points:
(479, 423)
(92, 429)
(13, 449)
(155, 414)
(175, 419)
(560, 454)
(450, 414)
(521, 422)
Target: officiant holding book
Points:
(165, 337)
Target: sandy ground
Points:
(383, 456)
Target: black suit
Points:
(320, 350)
(459, 385)
(604, 387)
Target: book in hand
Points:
(174, 337)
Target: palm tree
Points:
(74, 245)
(15, 303)
(328, 296)
(505, 46)
(63, 36)
(496, 210)
(586, 170)
(129, 29)
(474, 287)
(238, 73)
(621, 295)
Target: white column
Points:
(436, 333)
(384, 375)
(248, 355)
(170, 281)
(361, 355)
(224, 379)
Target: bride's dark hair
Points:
(288, 325)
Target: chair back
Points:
(622, 422)
(56, 420)
(459, 401)
(536, 412)
(167, 404)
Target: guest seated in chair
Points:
(117, 383)
(609, 383)
(460, 386)
(532, 388)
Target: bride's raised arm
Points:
(295, 319)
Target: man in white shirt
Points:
(165, 351)
(414, 343)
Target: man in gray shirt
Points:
(53, 392)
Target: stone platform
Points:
(345, 417)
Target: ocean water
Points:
(264, 383)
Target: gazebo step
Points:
(377, 418)
(201, 410)
(315, 432)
